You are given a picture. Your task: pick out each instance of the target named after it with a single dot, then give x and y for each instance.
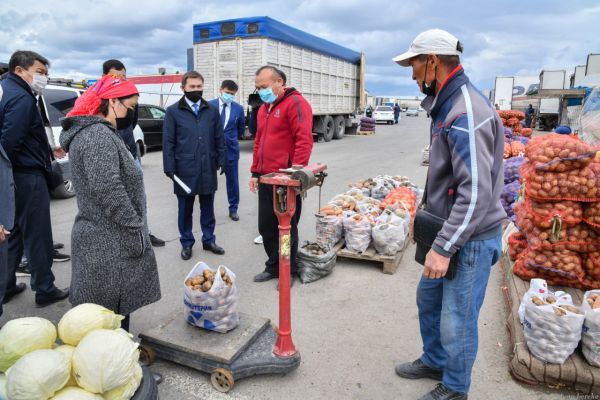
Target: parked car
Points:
(384, 114)
(412, 112)
(150, 120)
(57, 99)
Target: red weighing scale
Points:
(255, 347)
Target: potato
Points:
(537, 301)
(206, 286)
(596, 304)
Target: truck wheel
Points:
(339, 122)
(329, 128)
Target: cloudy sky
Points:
(500, 37)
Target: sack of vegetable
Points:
(539, 288)
(590, 338)
(512, 169)
(390, 233)
(552, 330)
(591, 264)
(211, 298)
(527, 132)
(357, 231)
(402, 197)
(344, 201)
(591, 215)
(383, 186)
(554, 214)
(559, 153)
(315, 261)
(508, 197)
(576, 185)
(517, 149)
(517, 244)
(330, 229)
(562, 266)
(507, 114)
(364, 185)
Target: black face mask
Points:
(194, 96)
(126, 121)
(429, 90)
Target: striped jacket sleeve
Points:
(472, 149)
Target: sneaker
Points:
(58, 246)
(60, 257)
(23, 268)
(19, 288)
(418, 370)
(441, 392)
(258, 240)
(156, 242)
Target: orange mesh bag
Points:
(517, 244)
(522, 271)
(576, 185)
(527, 132)
(548, 215)
(559, 153)
(516, 148)
(560, 265)
(591, 264)
(591, 215)
(504, 121)
(513, 121)
(507, 150)
(507, 114)
(401, 197)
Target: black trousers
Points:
(32, 233)
(268, 227)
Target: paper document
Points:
(182, 185)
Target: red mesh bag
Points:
(591, 264)
(522, 271)
(507, 149)
(507, 114)
(513, 121)
(401, 197)
(517, 244)
(591, 215)
(576, 185)
(517, 148)
(504, 120)
(527, 132)
(561, 265)
(548, 215)
(559, 153)
(517, 129)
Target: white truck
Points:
(503, 92)
(329, 76)
(510, 92)
(593, 64)
(549, 107)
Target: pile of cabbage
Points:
(93, 358)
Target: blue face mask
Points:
(267, 95)
(227, 98)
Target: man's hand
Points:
(3, 234)
(436, 265)
(254, 185)
(59, 152)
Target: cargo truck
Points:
(329, 76)
(547, 116)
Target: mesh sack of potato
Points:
(507, 114)
(517, 128)
(562, 266)
(517, 149)
(402, 197)
(315, 261)
(517, 244)
(590, 338)
(550, 214)
(577, 185)
(211, 298)
(559, 153)
(512, 169)
(591, 264)
(552, 332)
(357, 231)
(591, 215)
(329, 229)
(508, 197)
(527, 132)
(521, 270)
(390, 233)
(507, 150)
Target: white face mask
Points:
(39, 82)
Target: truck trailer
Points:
(329, 76)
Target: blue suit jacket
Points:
(7, 192)
(234, 129)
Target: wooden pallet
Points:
(390, 263)
(365, 133)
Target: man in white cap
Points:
(462, 197)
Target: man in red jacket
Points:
(283, 138)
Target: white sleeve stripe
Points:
(481, 124)
(474, 170)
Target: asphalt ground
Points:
(351, 327)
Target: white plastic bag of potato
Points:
(357, 230)
(215, 309)
(539, 288)
(552, 332)
(330, 230)
(389, 233)
(590, 337)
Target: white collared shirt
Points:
(227, 111)
(191, 103)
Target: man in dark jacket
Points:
(234, 127)
(396, 113)
(464, 183)
(7, 214)
(284, 138)
(529, 116)
(117, 68)
(23, 137)
(193, 150)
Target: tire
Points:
(339, 123)
(64, 191)
(141, 149)
(148, 389)
(329, 128)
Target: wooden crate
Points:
(390, 263)
(365, 133)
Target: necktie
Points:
(196, 108)
(223, 114)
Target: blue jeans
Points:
(449, 310)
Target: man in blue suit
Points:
(193, 150)
(234, 126)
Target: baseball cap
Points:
(433, 41)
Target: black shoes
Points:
(441, 392)
(60, 257)
(418, 370)
(156, 242)
(234, 216)
(292, 279)
(264, 276)
(186, 253)
(23, 268)
(213, 247)
(55, 296)
(19, 288)
(57, 246)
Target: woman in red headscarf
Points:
(113, 261)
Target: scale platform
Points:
(245, 351)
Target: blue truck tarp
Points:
(273, 29)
